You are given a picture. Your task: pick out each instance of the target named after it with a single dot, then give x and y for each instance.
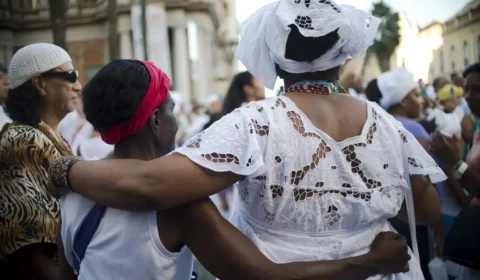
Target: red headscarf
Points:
(157, 93)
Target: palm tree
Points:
(58, 20)
(388, 36)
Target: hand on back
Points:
(391, 251)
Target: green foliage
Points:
(388, 34)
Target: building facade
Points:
(461, 42)
(415, 50)
(202, 36)
(437, 49)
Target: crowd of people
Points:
(331, 179)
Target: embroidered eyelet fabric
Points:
(303, 196)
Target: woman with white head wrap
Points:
(397, 92)
(44, 88)
(318, 173)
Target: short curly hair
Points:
(115, 93)
(23, 104)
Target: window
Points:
(442, 66)
(465, 54)
(452, 57)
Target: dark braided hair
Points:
(115, 93)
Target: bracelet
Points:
(58, 171)
(459, 169)
(457, 165)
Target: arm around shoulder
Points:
(135, 185)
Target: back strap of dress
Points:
(411, 210)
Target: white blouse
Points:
(304, 196)
(126, 245)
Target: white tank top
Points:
(126, 245)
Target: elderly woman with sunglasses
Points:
(44, 89)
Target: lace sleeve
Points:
(419, 161)
(235, 143)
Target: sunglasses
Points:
(69, 76)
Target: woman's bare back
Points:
(340, 116)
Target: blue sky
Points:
(423, 11)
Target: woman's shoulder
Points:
(264, 109)
(383, 117)
(19, 137)
(253, 111)
(388, 124)
(20, 132)
(258, 106)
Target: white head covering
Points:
(430, 92)
(35, 59)
(395, 86)
(264, 36)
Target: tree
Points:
(113, 33)
(58, 20)
(388, 34)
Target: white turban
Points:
(395, 86)
(264, 36)
(35, 59)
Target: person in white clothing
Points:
(145, 129)
(4, 88)
(319, 173)
(94, 147)
(75, 128)
(449, 114)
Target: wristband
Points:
(58, 171)
(459, 169)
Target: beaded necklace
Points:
(320, 87)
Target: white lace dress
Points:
(304, 196)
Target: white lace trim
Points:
(299, 180)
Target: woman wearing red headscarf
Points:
(128, 102)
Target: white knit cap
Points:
(35, 59)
